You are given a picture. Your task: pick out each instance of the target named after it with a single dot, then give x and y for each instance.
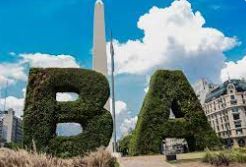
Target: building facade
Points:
(202, 88)
(225, 108)
(10, 127)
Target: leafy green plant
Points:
(13, 146)
(225, 157)
(208, 157)
(124, 144)
(217, 158)
(238, 155)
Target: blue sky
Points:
(30, 29)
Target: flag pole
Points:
(112, 95)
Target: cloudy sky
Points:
(205, 39)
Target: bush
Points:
(225, 156)
(124, 145)
(209, 156)
(223, 159)
(22, 158)
(42, 112)
(218, 159)
(13, 146)
(238, 155)
(240, 149)
(100, 158)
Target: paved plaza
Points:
(157, 160)
(144, 161)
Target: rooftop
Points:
(220, 90)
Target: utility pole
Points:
(112, 95)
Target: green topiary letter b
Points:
(42, 112)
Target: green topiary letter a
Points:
(171, 90)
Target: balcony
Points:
(233, 101)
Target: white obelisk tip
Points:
(99, 2)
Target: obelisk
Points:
(99, 50)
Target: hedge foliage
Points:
(170, 89)
(124, 144)
(42, 112)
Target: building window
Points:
(241, 142)
(223, 105)
(218, 128)
(233, 102)
(232, 97)
(239, 131)
(236, 116)
(238, 124)
(235, 109)
(227, 126)
(217, 122)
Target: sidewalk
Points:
(144, 161)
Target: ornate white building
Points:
(225, 108)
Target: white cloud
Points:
(15, 103)
(47, 60)
(146, 89)
(124, 120)
(68, 129)
(66, 96)
(128, 125)
(12, 53)
(234, 70)
(174, 38)
(24, 92)
(10, 73)
(13, 72)
(120, 106)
